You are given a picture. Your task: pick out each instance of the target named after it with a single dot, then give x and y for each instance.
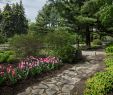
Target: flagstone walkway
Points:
(64, 83)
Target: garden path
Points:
(70, 81)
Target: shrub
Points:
(2, 57)
(11, 59)
(100, 84)
(59, 39)
(25, 45)
(109, 49)
(5, 56)
(66, 54)
(97, 42)
(2, 39)
(109, 62)
(60, 45)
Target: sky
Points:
(31, 7)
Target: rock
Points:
(53, 86)
(66, 71)
(35, 87)
(41, 91)
(51, 92)
(72, 69)
(67, 88)
(28, 90)
(59, 84)
(51, 81)
(36, 91)
(23, 93)
(67, 93)
(42, 86)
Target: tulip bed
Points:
(30, 66)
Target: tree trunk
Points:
(88, 39)
(78, 47)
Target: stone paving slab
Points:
(64, 83)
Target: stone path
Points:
(64, 83)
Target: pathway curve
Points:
(66, 82)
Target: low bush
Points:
(66, 54)
(97, 42)
(26, 45)
(109, 49)
(2, 57)
(100, 84)
(11, 59)
(6, 56)
(109, 61)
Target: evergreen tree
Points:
(47, 19)
(6, 26)
(19, 19)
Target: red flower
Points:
(2, 74)
(8, 70)
(13, 72)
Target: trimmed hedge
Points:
(102, 82)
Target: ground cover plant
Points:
(101, 83)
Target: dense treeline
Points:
(79, 16)
(13, 20)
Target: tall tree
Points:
(6, 25)
(19, 19)
(47, 19)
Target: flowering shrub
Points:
(29, 66)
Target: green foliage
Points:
(59, 39)
(2, 39)
(61, 45)
(19, 20)
(107, 38)
(66, 54)
(97, 42)
(109, 49)
(2, 58)
(86, 20)
(2, 79)
(22, 74)
(7, 56)
(109, 61)
(47, 19)
(13, 20)
(11, 59)
(26, 45)
(101, 83)
(106, 14)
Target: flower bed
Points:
(30, 66)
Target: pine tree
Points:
(19, 19)
(7, 27)
(47, 19)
